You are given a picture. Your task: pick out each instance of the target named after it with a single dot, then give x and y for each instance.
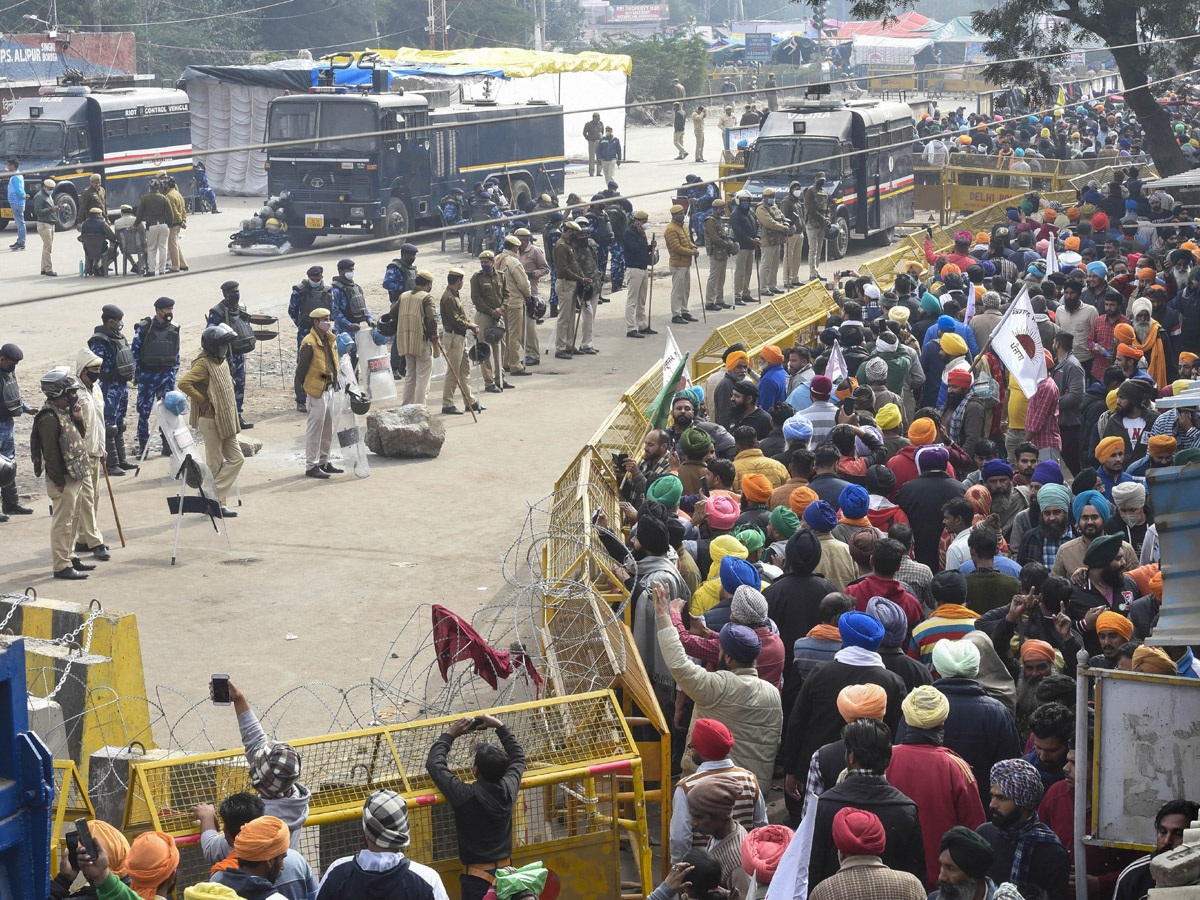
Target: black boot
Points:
(119, 443)
(12, 502)
(113, 463)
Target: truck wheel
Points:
(884, 238)
(300, 238)
(395, 223)
(67, 211)
(839, 244)
(522, 193)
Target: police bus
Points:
(122, 134)
(387, 184)
(871, 191)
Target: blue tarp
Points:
(356, 76)
(22, 62)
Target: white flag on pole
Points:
(671, 357)
(836, 368)
(1052, 263)
(1018, 343)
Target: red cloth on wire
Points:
(455, 641)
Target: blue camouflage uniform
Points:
(115, 391)
(151, 384)
(551, 235)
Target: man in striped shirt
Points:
(710, 746)
(950, 620)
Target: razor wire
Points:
(408, 685)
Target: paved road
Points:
(323, 555)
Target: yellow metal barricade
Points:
(577, 750)
(70, 803)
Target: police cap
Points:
(512, 241)
(229, 286)
(109, 311)
(455, 273)
(406, 247)
(164, 303)
(315, 271)
(344, 264)
(12, 352)
(487, 254)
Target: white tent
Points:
(870, 50)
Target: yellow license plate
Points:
(314, 221)
(6, 213)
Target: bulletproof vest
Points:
(160, 346)
(602, 228)
(356, 304)
(312, 298)
(10, 395)
(122, 367)
(239, 320)
(551, 236)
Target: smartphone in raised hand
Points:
(219, 687)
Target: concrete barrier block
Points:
(46, 721)
(108, 779)
(1177, 867)
(87, 687)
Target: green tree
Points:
(1018, 35)
(659, 59)
(564, 22)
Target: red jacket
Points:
(904, 467)
(942, 785)
(885, 518)
(958, 259)
(876, 586)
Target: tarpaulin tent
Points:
(578, 82)
(229, 103)
(873, 50)
(905, 23)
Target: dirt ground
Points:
(338, 564)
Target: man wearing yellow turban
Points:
(934, 777)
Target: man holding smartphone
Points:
(483, 809)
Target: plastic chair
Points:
(262, 335)
(96, 255)
(131, 250)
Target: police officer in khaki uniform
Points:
(88, 538)
(719, 243)
(488, 297)
(569, 286)
(816, 220)
(517, 294)
(60, 453)
(775, 230)
(416, 332)
(455, 326)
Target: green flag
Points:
(660, 411)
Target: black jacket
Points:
(744, 226)
(1049, 866)
(1143, 613)
(637, 249)
(905, 849)
(815, 720)
(483, 811)
(1083, 599)
(922, 500)
(1037, 627)
(792, 603)
(913, 673)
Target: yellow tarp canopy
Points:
(516, 63)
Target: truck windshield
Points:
(816, 156)
(340, 118)
(37, 140)
(293, 121)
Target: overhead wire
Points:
(442, 229)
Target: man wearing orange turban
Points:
(799, 499)
(921, 432)
(1038, 655)
(1187, 362)
(115, 848)
(862, 701)
(260, 848)
(1153, 661)
(151, 863)
(1112, 630)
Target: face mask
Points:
(324, 325)
(349, 276)
(770, 201)
(316, 283)
(1131, 518)
(168, 317)
(119, 327)
(797, 193)
(486, 268)
(234, 298)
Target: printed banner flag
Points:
(835, 370)
(671, 357)
(1018, 343)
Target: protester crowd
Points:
(869, 565)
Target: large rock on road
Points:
(405, 432)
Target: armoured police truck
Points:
(122, 134)
(864, 147)
(376, 175)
